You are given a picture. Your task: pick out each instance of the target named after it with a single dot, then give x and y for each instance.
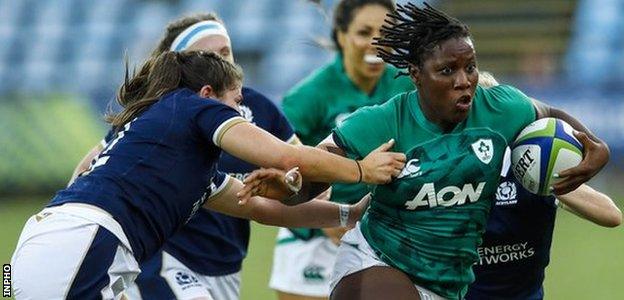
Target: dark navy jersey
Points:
(212, 243)
(154, 174)
(516, 246)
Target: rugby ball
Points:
(543, 148)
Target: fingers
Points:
(366, 199)
(579, 170)
(256, 188)
(256, 175)
(583, 138)
(568, 185)
(400, 157)
(244, 195)
(252, 185)
(385, 146)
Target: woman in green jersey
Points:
(303, 258)
(422, 230)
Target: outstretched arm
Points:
(596, 152)
(592, 205)
(270, 182)
(258, 147)
(313, 214)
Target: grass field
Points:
(586, 260)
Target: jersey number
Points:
(102, 158)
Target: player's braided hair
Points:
(412, 33)
(169, 71)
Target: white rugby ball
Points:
(543, 148)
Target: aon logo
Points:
(456, 196)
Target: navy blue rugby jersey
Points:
(152, 176)
(212, 243)
(516, 245)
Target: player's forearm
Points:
(592, 205)
(256, 146)
(319, 165)
(313, 214)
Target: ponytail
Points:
(168, 71)
(158, 76)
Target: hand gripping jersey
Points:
(323, 100)
(152, 177)
(429, 221)
(516, 245)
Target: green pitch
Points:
(586, 261)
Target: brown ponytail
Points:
(168, 71)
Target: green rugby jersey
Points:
(429, 221)
(322, 100)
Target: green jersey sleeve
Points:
(366, 129)
(512, 107)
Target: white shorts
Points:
(355, 254)
(73, 251)
(183, 283)
(302, 267)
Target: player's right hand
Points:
(269, 183)
(379, 166)
(596, 155)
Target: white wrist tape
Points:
(344, 214)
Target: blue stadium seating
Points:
(79, 45)
(595, 57)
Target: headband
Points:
(197, 31)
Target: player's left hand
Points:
(595, 157)
(269, 183)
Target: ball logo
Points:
(183, 278)
(484, 149)
(526, 160)
(411, 169)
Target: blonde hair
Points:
(487, 80)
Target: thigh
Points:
(375, 283)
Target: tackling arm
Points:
(258, 147)
(592, 205)
(314, 214)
